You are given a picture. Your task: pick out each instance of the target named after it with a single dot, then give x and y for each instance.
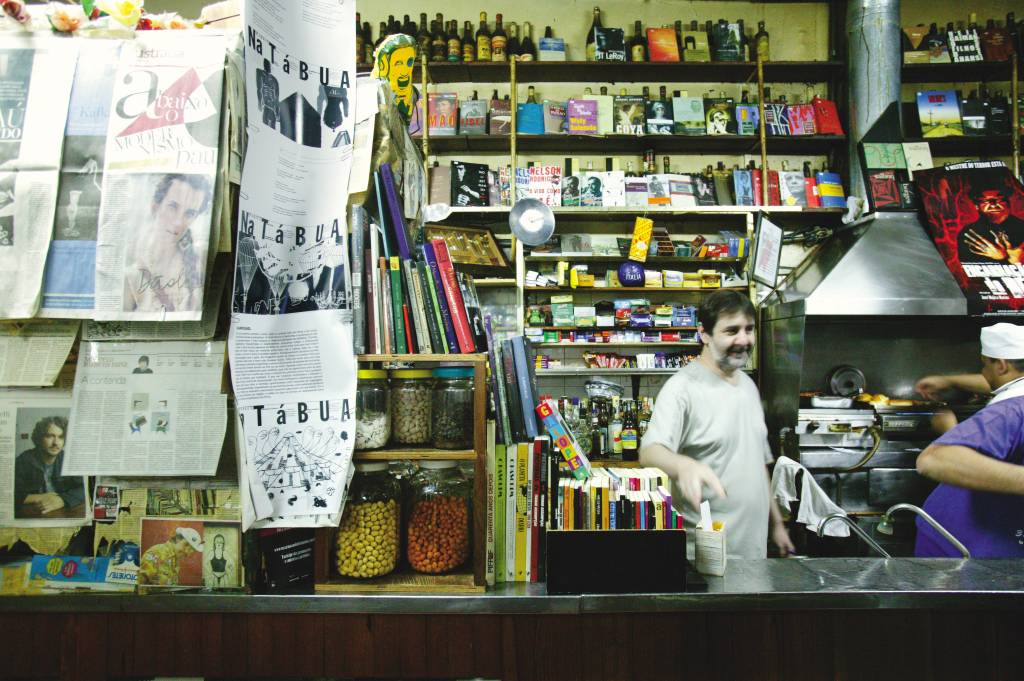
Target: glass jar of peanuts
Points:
(451, 425)
(368, 538)
(373, 409)
(410, 406)
(438, 523)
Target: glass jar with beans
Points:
(368, 537)
(452, 408)
(373, 409)
(410, 406)
(438, 525)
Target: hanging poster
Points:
(974, 212)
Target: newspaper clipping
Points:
(161, 158)
(69, 283)
(35, 88)
(291, 335)
(32, 354)
(148, 409)
(36, 489)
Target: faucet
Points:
(885, 527)
(855, 527)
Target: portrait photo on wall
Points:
(974, 212)
(40, 491)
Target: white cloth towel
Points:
(814, 503)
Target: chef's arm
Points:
(777, 531)
(929, 386)
(966, 467)
(690, 475)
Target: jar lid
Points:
(453, 372)
(372, 373)
(434, 465)
(410, 373)
(373, 467)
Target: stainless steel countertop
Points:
(792, 584)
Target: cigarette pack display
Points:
(630, 114)
(718, 116)
(469, 184)
(661, 44)
(688, 115)
(473, 117)
(583, 116)
(442, 113)
(554, 118)
(659, 117)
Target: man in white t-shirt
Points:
(708, 433)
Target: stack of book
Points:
(615, 499)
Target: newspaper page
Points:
(292, 365)
(148, 409)
(36, 489)
(35, 88)
(153, 242)
(204, 329)
(32, 354)
(70, 280)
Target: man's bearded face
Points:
(731, 341)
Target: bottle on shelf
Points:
(630, 439)
(679, 36)
(391, 27)
(513, 48)
(647, 91)
(666, 164)
(382, 33)
(454, 41)
(972, 21)
(499, 40)
(438, 42)
(649, 166)
(423, 35)
(483, 40)
(408, 26)
(592, 35)
(760, 47)
(531, 96)
(527, 50)
(360, 46)
(615, 428)
(637, 44)
(367, 43)
(468, 43)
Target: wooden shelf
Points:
(414, 455)
(784, 215)
(966, 72)
(653, 344)
(594, 289)
(494, 283)
(612, 328)
(662, 259)
(403, 581)
(969, 145)
(466, 359)
(606, 144)
(585, 371)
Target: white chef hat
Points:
(1003, 341)
(191, 536)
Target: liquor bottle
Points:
(761, 45)
(596, 436)
(1015, 31)
(972, 21)
(483, 40)
(679, 36)
(527, 51)
(615, 428)
(408, 27)
(454, 41)
(630, 440)
(663, 93)
(592, 35)
(744, 40)
(423, 35)
(637, 44)
(531, 96)
(367, 43)
(649, 167)
(382, 33)
(468, 43)
(666, 164)
(392, 25)
(438, 42)
(498, 40)
(512, 48)
(360, 46)
(647, 91)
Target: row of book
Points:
(414, 299)
(513, 387)
(615, 499)
(933, 45)
(624, 114)
(947, 113)
(473, 184)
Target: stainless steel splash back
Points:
(882, 265)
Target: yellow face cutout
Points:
(399, 73)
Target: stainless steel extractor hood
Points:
(881, 265)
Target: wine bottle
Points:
(360, 45)
(761, 45)
(367, 43)
(512, 48)
(483, 40)
(637, 44)
(454, 41)
(666, 164)
(527, 51)
(423, 35)
(499, 40)
(595, 24)
(382, 33)
(679, 36)
(438, 42)
(468, 43)
(531, 96)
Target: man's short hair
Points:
(723, 303)
(197, 182)
(43, 424)
(1004, 189)
(144, 358)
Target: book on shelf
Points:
(605, 113)
(695, 46)
(613, 188)
(544, 183)
(704, 188)
(659, 117)
(723, 186)
(718, 116)
(774, 188)
(743, 187)
(757, 184)
(551, 49)
(610, 44)
(490, 555)
(681, 191)
(658, 190)
(939, 113)
(747, 118)
(357, 257)
(418, 303)
(435, 327)
(571, 191)
(630, 114)
(439, 188)
(592, 189)
(511, 458)
(688, 115)
(500, 120)
(447, 322)
(500, 484)
(636, 192)
(554, 118)
(801, 119)
(830, 189)
(397, 305)
(826, 117)
(662, 45)
(791, 188)
(442, 113)
(965, 45)
(583, 116)
(776, 119)
(530, 119)
(453, 293)
(473, 117)
(726, 41)
(469, 184)
(471, 300)
(918, 156)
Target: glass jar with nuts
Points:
(410, 406)
(438, 525)
(451, 423)
(368, 538)
(373, 409)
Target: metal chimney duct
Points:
(873, 35)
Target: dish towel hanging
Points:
(814, 503)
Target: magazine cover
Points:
(473, 117)
(630, 114)
(659, 117)
(939, 113)
(718, 116)
(582, 116)
(442, 113)
(469, 184)
(688, 113)
(592, 189)
(571, 190)
(975, 214)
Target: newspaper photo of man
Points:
(165, 265)
(40, 491)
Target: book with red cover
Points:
(455, 304)
(813, 196)
(774, 192)
(755, 176)
(662, 45)
(535, 516)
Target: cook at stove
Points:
(980, 462)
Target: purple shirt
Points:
(990, 525)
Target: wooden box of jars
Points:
(409, 539)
